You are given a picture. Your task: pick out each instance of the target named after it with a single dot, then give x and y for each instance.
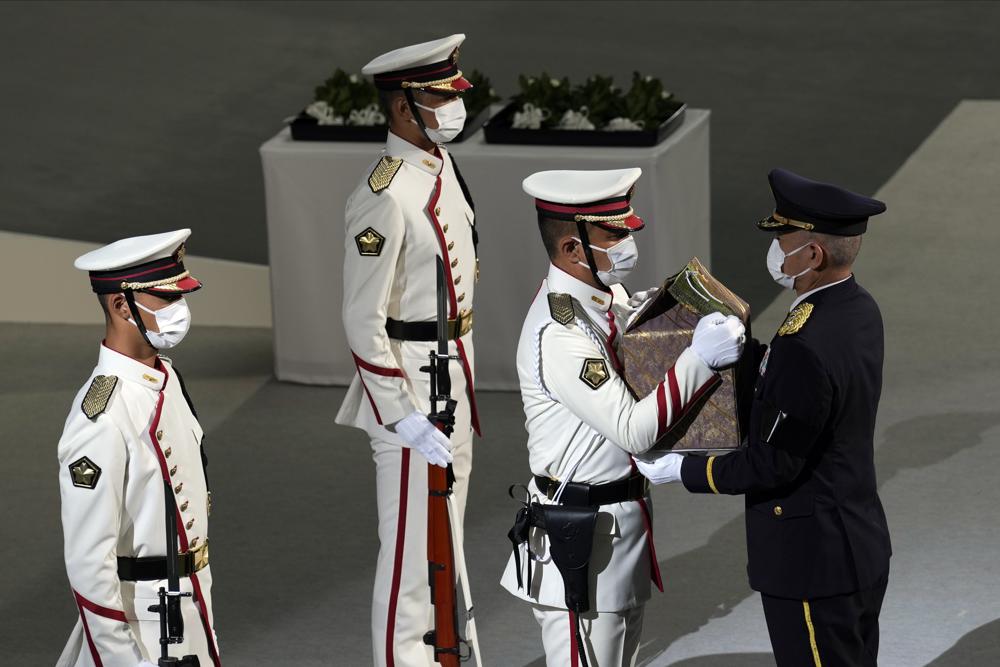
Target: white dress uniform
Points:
(408, 210)
(129, 428)
(583, 426)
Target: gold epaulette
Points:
(796, 319)
(383, 173)
(99, 394)
(561, 307)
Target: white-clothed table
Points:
(307, 185)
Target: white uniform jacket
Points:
(584, 424)
(111, 473)
(409, 211)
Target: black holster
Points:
(571, 541)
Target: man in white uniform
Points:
(132, 431)
(410, 208)
(585, 426)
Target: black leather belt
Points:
(634, 487)
(154, 568)
(427, 331)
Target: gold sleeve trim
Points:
(812, 634)
(708, 474)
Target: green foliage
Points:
(546, 93)
(480, 96)
(345, 92)
(647, 102)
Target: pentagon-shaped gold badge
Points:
(84, 473)
(370, 243)
(594, 373)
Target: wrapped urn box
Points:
(658, 335)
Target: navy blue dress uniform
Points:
(817, 539)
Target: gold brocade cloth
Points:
(661, 332)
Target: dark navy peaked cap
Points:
(800, 203)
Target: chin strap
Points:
(581, 228)
(130, 299)
(416, 113)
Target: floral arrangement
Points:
(349, 99)
(597, 104)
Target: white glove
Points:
(661, 470)
(718, 340)
(639, 298)
(419, 433)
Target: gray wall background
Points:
(123, 118)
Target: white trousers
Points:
(401, 609)
(611, 639)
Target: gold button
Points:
(461, 297)
(193, 543)
(446, 228)
(454, 262)
(177, 489)
(778, 510)
(173, 471)
(184, 505)
(159, 435)
(437, 210)
(189, 524)
(451, 245)
(458, 280)
(167, 452)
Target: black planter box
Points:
(306, 128)
(498, 130)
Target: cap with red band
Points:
(431, 66)
(153, 264)
(602, 198)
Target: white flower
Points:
(664, 95)
(648, 78)
(575, 120)
(555, 82)
(353, 78)
(622, 125)
(370, 115)
(493, 93)
(529, 117)
(531, 80)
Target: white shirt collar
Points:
(589, 297)
(110, 362)
(818, 289)
(398, 147)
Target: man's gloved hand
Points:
(419, 433)
(718, 340)
(639, 298)
(663, 469)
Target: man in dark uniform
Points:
(817, 539)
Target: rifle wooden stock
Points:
(441, 561)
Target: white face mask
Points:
(450, 120)
(173, 322)
(776, 262)
(623, 255)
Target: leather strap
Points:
(154, 568)
(634, 487)
(427, 331)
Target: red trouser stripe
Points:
(397, 565)
(115, 615)
(574, 657)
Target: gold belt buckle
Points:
(462, 324)
(199, 556)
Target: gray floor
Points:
(293, 529)
(124, 118)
